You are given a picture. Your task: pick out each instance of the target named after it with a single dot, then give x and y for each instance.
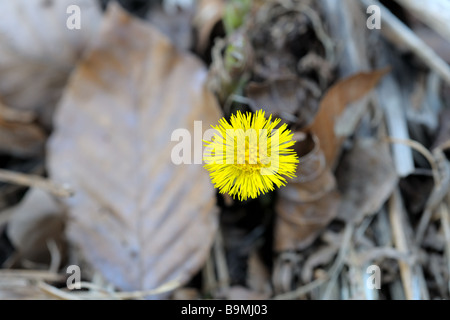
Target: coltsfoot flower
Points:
(249, 156)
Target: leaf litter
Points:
(85, 149)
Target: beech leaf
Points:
(136, 217)
(38, 51)
(333, 104)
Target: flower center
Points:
(251, 157)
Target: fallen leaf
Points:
(282, 36)
(333, 104)
(38, 51)
(35, 221)
(366, 178)
(309, 202)
(290, 98)
(136, 217)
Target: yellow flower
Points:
(248, 156)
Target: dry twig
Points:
(35, 181)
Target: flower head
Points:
(249, 156)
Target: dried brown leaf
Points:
(38, 51)
(366, 178)
(309, 202)
(137, 218)
(334, 102)
(290, 98)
